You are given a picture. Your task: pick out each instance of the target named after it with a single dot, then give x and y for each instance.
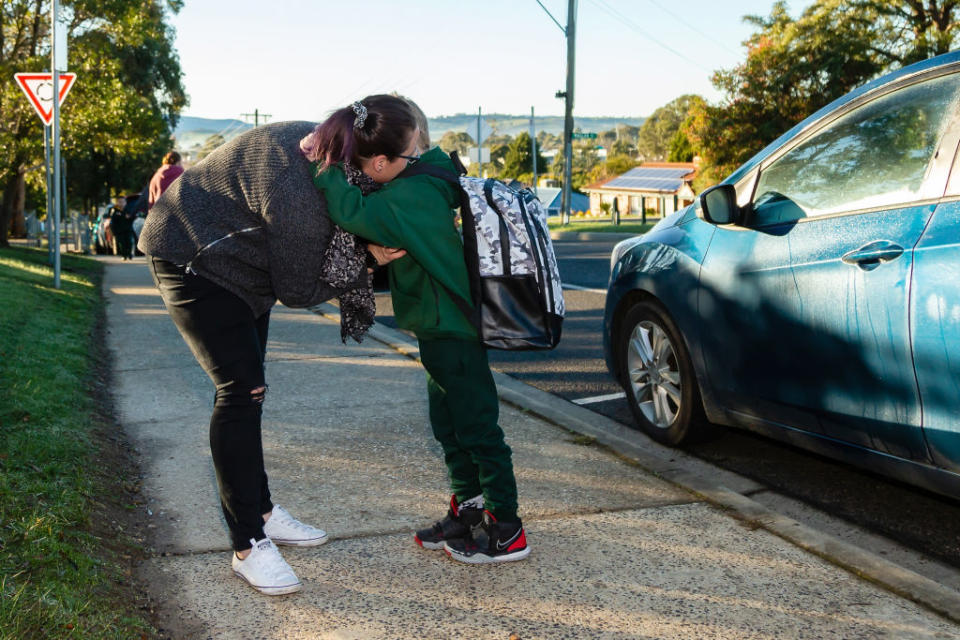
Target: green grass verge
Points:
(58, 579)
(601, 226)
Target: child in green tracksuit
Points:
(416, 214)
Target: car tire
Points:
(657, 374)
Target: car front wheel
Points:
(657, 375)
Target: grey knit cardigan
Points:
(249, 218)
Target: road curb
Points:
(631, 445)
(590, 235)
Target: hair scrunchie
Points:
(361, 115)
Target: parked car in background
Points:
(103, 239)
(814, 295)
(102, 236)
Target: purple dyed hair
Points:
(386, 131)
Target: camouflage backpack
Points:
(514, 279)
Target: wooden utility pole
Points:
(570, 31)
(256, 115)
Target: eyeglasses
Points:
(410, 159)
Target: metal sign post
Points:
(54, 15)
(479, 143)
(46, 169)
(483, 132)
(533, 151)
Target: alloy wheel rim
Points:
(654, 374)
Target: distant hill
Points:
(503, 124)
(191, 132)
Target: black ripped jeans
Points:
(230, 344)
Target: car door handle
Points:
(870, 256)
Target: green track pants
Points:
(464, 413)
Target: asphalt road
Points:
(575, 370)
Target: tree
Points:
(584, 161)
(209, 145)
(121, 112)
(606, 139)
(549, 141)
(623, 147)
(518, 160)
(456, 141)
(657, 131)
(681, 150)
(618, 165)
(794, 67)
(614, 166)
(911, 30)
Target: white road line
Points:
(576, 287)
(612, 396)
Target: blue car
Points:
(814, 295)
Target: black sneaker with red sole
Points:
(456, 524)
(491, 541)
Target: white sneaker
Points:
(266, 570)
(283, 528)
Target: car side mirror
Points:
(719, 204)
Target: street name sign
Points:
(38, 88)
(579, 136)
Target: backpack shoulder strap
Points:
(424, 169)
(458, 163)
(471, 313)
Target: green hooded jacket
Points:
(415, 214)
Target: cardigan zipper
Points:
(189, 265)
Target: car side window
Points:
(876, 155)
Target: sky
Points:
(301, 59)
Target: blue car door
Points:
(806, 304)
(935, 320)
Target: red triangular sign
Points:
(39, 90)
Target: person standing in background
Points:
(169, 171)
(115, 223)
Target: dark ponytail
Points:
(385, 131)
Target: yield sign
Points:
(39, 90)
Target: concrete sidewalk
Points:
(617, 552)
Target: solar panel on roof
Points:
(656, 172)
(650, 179)
(653, 184)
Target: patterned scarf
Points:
(344, 262)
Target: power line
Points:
(547, 11)
(231, 128)
(256, 116)
(603, 6)
(691, 27)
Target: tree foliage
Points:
(519, 158)
(585, 159)
(681, 149)
(456, 141)
(614, 166)
(795, 66)
(657, 133)
(209, 145)
(549, 141)
(117, 121)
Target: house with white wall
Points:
(659, 188)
